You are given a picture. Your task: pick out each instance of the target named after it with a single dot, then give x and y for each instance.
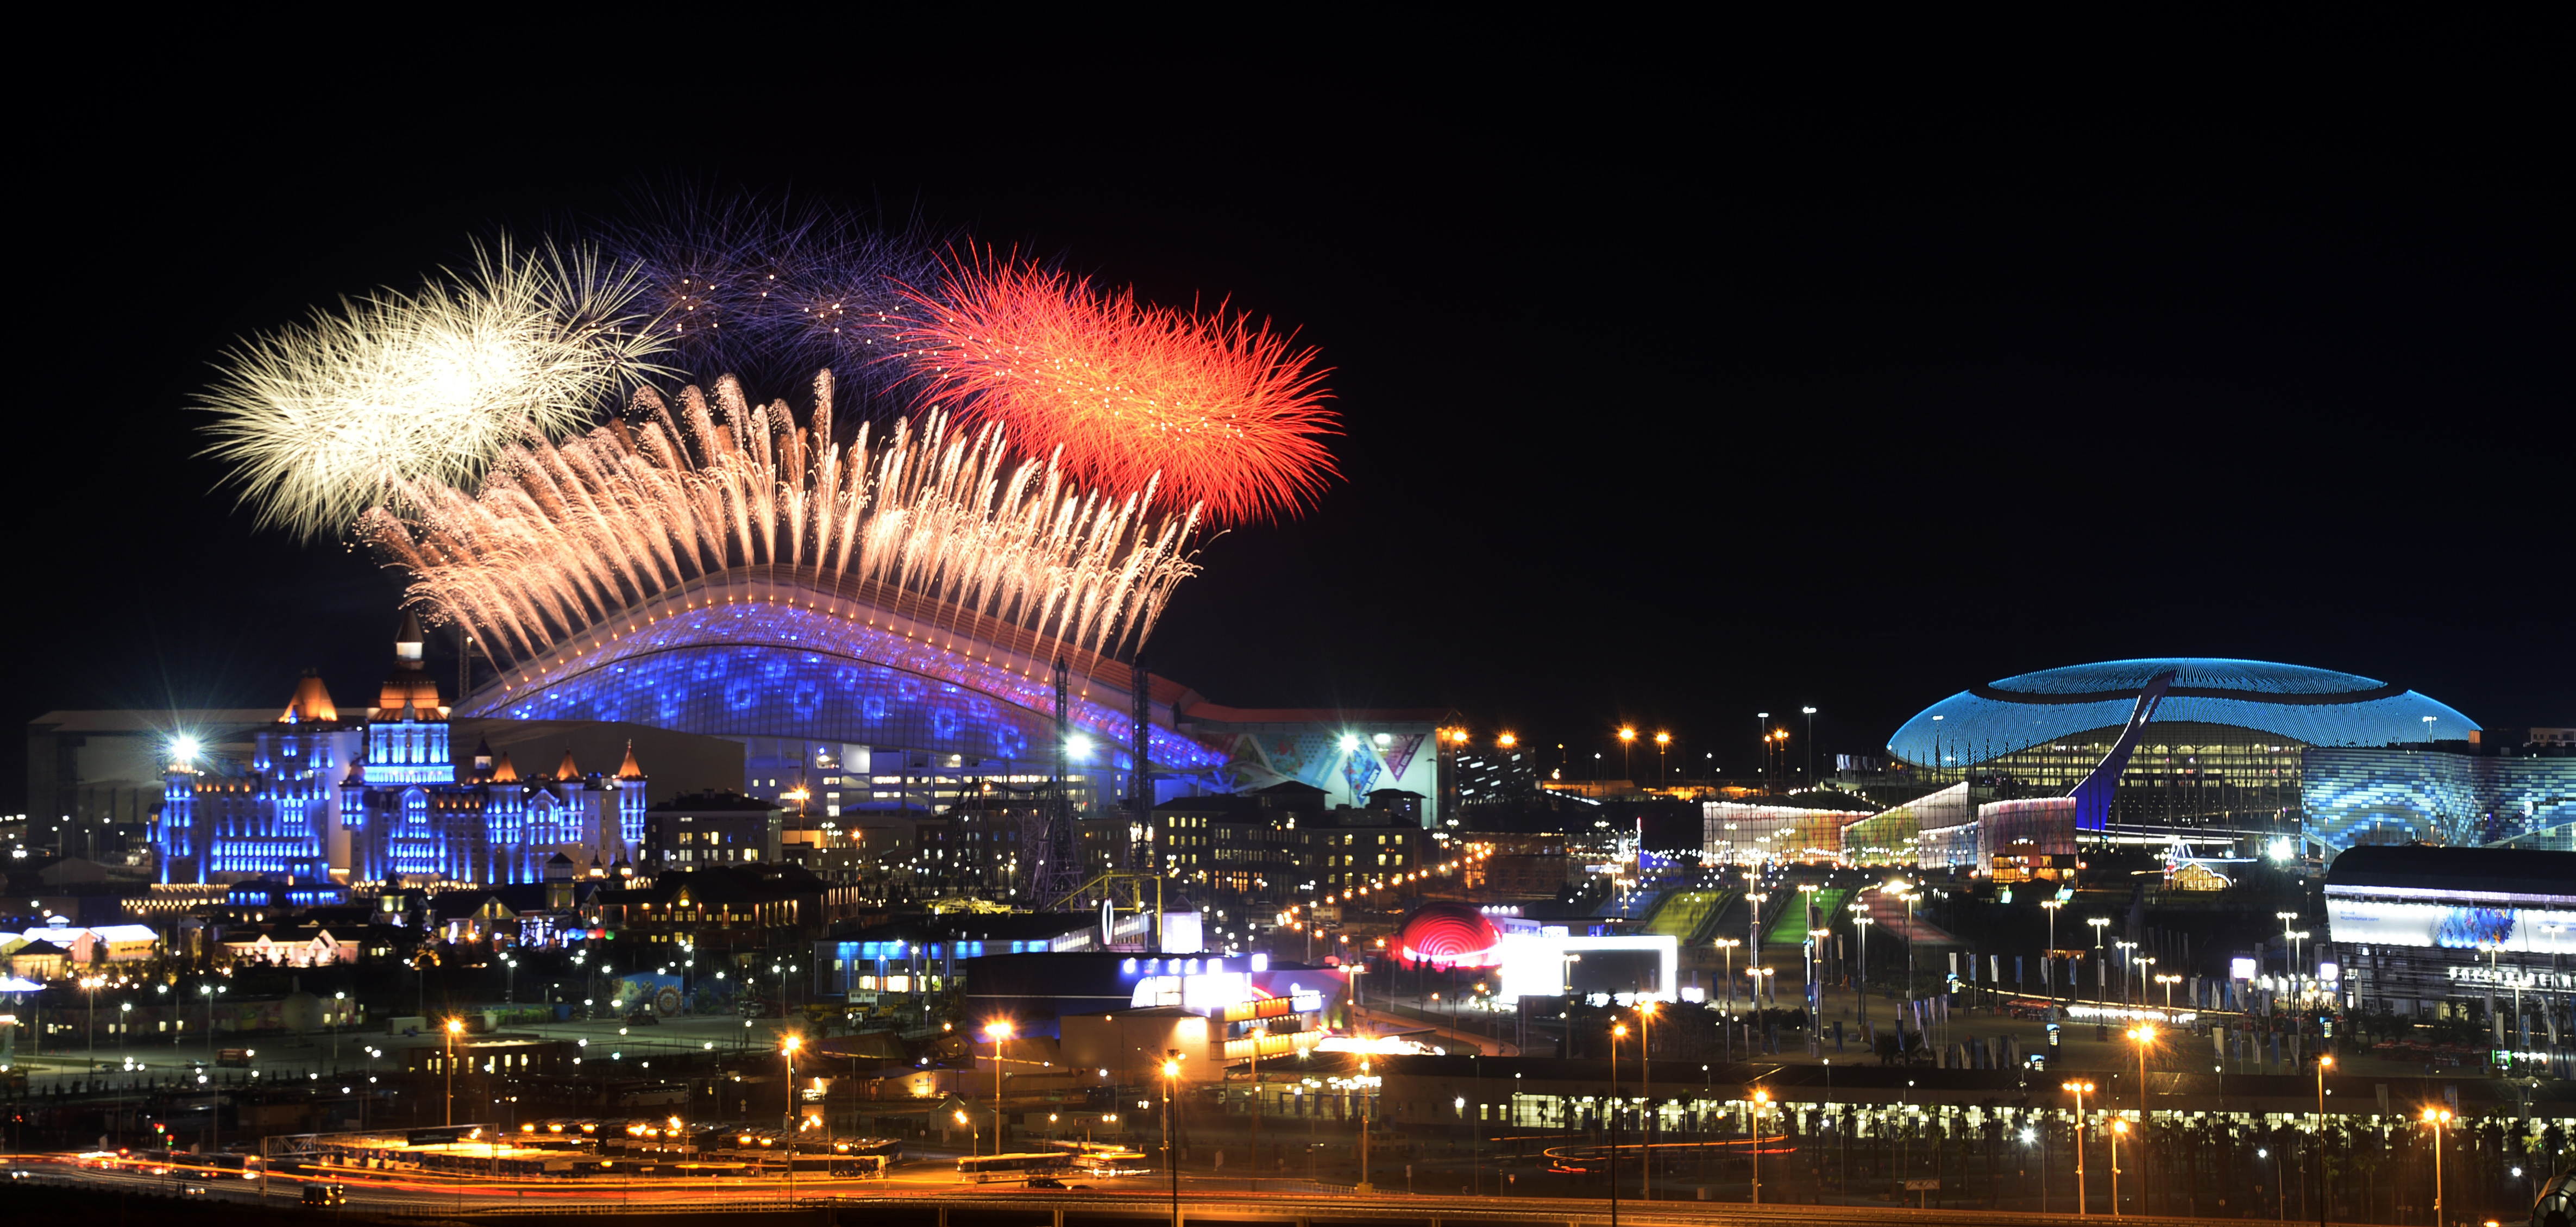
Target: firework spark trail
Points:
(563, 535)
(1227, 413)
(322, 420)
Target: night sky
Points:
(1673, 394)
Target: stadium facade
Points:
(894, 703)
(2208, 759)
(2245, 752)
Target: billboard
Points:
(1550, 965)
(2454, 926)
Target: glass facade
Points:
(2184, 774)
(2394, 795)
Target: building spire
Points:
(408, 641)
(630, 769)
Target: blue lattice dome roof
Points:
(2318, 707)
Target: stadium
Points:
(2244, 753)
(835, 676)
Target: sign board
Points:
(1923, 1186)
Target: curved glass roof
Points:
(2309, 706)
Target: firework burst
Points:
(1228, 414)
(564, 535)
(323, 420)
(768, 293)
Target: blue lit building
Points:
(858, 704)
(2242, 752)
(379, 799)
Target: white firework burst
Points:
(323, 420)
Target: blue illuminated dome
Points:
(743, 655)
(2314, 707)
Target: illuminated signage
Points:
(1273, 1007)
(2511, 977)
(2110, 1012)
(2241, 969)
(1545, 965)
(2384, 922)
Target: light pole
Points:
(1618, 1031)
(455, 1027)
(89, 1068)
(2098, 923)
(2124, 949)
(1760, 1099)
(1663, 741)
(1172, 1158)
(1727, 945)
(2118, 1127)
(2079, 1088)
(2145, 1036)
(2437, 1117)
(2324, 1063)
(1627, 738)
(2051, 905)
(1860, 926)
(787, 1123)
(1646, 1094)
(2292, 960)
(1753, 940)
(2168, 981)
(1000, 1031)
(1811, 745)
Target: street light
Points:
(455, 1027)
(1860, 926)
(2324, 1063)
(1000, 1031)
(1811, 744)
(2080, 1089)
(2144, 1034)
(1618, 1031)
(1171, 1158)
(2118, 1127)
(1662, 740)
(1726, 946)
(787, 1123)
(2051, 965)
(1761, 1099)
(2437, 1117)
(1627, 738)
(1646, 1092)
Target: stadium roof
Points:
(2317, 707)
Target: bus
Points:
(985, 1169)
(1104, 1160)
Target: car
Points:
(1045, 1182)
(20, 1173)
(192, 1190)
(326, 1195)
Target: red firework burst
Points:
(1226, 412)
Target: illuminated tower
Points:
(630, 804)
(407, 735)
(407, 746)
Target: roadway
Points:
(927, 1196)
